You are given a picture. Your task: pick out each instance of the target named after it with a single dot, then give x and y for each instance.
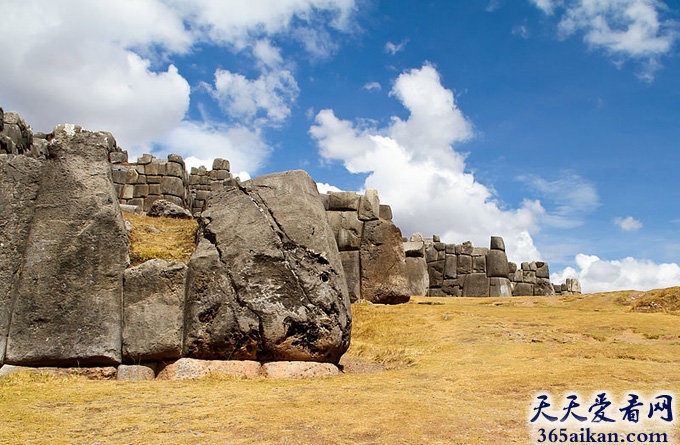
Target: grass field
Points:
(462, 372)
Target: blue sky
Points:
(554, 123)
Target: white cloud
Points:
(372, 86)
(266, 99)
(414, 167)
(570, 197)
(71, 61)
(547, 6)
(628, 29)
(323, 187)
(628, 224)
(597, 275)
(108, 65)
(203, 142)
(393, 48)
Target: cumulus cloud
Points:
(109, 65)
(625, 29)
(628, 224)
(261, 101)
(413, 165)
(597, 275)
(393, 48)
(200, 142)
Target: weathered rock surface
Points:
(67, 309)
(383, 264)
(153, 311)
(188, 368)
(298, 370)
(476, 285)
(19, 182)
(266, 282)
(499, 287)
(417, 277)
(352, 267)
(163, 207)
(136, 372)
(91, 373)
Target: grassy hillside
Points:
(460, 372)
(165, 238)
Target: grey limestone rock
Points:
(435, 270)
(542, 270)
(476, 285)
(266, 281)
(451, 267)
(497, 243)
(386, 212)
(497, 264)
(383, 264)
(19, 183)
(352, 267)
(499, 287)
(464, 264)
(136, 372)
(340, 201)
(164, 208)
(523, 290)
(465, 249)
(369, 206)
(67, 308)
(347, 229)
(415, 249)
(417, 276)
(153, 311)
(544, 287)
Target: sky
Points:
(552, 123)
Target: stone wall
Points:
(438, 269)
(143, 182)
(369, 245)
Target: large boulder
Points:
(266, 282)
(351, 264)
(383, 264)
(153, 311)
(19, 183)
(476, 285)
(68, 304)
(417, 276)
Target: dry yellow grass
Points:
(165, 238)
(463, 372)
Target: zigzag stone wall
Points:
(149, 179)
(438, 269)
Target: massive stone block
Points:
(499, 287)
(497, 264)
(352, 266)
(153, 311)
(67, 309)
(523, 290)
(542, 270)
(19, 182)
(266, 281)
(544, 287)
(435, 270)
(383, 264)
(476, 285)
(343, 201)
(369, 206)
(464, 264)
(497, 243)
(417, 276)
(450, 267)
(347, 229)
